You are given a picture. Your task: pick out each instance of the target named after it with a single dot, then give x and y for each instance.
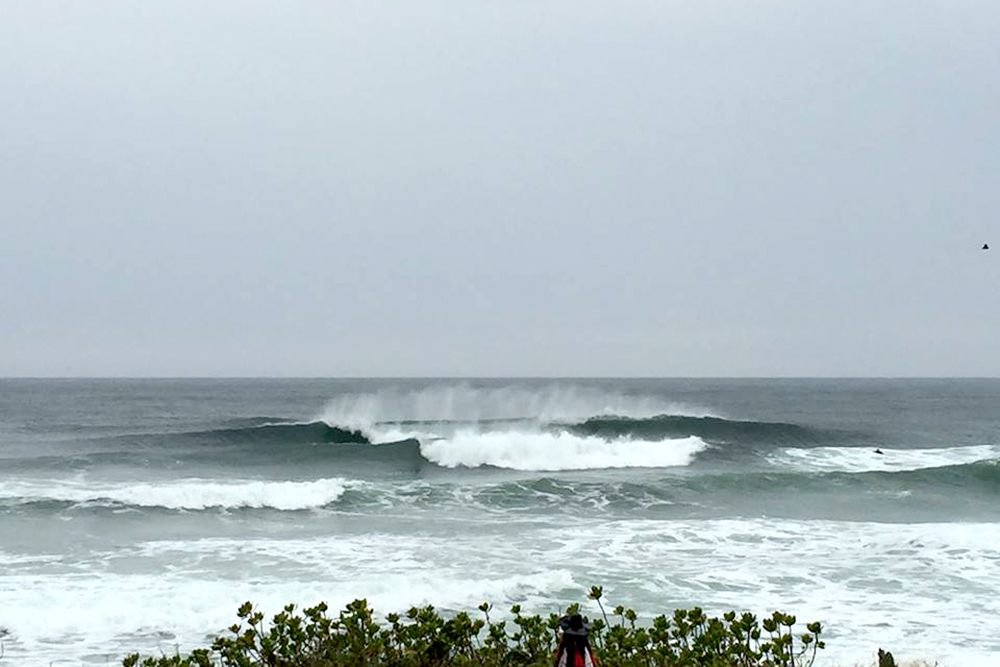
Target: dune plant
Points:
(423, 637)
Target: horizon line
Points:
(499, 377)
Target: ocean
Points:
(136, 515)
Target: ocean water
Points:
(138, 514)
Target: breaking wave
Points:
(558, 451)
(183, 494)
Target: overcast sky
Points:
(564, 187)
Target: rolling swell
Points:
(943, 484)
(981, 476)
(927, 493)
(312, 432)
(743, 490)
(710, 429)
(400, 456)
(236, 444)
(256, 446)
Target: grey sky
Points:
(504, 188)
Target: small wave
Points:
(979, 477)
(557, 451)
(186, 494)
(863, 459)
(982, 476)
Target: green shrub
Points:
(424, 638)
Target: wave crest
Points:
(189, 494)
(714, 429)
(468, 403)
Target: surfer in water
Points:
(879, 451)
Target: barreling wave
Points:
(462, 450)
(534, 443)
(250, 430)
(397, 456)
(511, 450)
(514, 444)
(244, 443)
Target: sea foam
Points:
(185, 494)
(557, 451)
(863, 459)
(850, 575)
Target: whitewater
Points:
(136, 515)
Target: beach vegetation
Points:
(425, 637)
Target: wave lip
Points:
(557, 451)
(190, 494)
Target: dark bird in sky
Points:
(986, 246)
